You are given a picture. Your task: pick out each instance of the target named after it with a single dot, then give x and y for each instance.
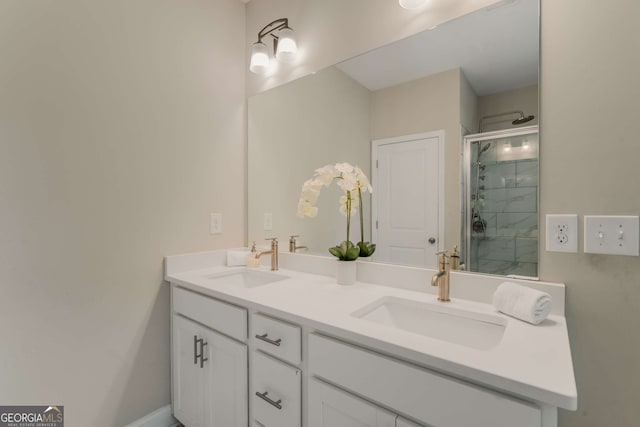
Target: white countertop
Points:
(530, 361)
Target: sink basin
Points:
(476, 330)
(246, 278)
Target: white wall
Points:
(293, 130)
(121, 128)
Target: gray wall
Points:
(589, 153)
(121, 128)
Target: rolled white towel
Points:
(237, 257)
(524, 303)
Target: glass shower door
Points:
(501, 203)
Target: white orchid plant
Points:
(353, 182)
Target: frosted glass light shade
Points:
(259, 58)
(287, 46)
(412, 4)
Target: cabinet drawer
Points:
(277, 338)
(427, 396)
(223, 317)
(279, 387)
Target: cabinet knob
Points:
(432, 240)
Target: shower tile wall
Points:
(509, 243)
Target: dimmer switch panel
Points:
(613, 235)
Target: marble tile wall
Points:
(509, 207)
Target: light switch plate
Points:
(268, 222)
(215, 223)
(612, 235)
(562, 233)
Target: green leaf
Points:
(366, 249)
(352, 253)
(336, 252)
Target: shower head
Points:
(485, 148)
(522, 119)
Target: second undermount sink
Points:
(247, 278)
(481, 331)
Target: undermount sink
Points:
(476, 330)
(247, 278)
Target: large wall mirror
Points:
(445, 125)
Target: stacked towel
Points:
(522, 302)
(237, 257)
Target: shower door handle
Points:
(432, 240)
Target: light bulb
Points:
(506, 147)
(259, 58)
(287, 46)
(525, 146)
(412, 4)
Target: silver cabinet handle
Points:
(265, 338)
(264, 397)
(195, 349)
(203, 359)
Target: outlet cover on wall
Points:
(562, 233)
(215, 223)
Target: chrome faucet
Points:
(441, 278)
(273, 252)
(293, 244)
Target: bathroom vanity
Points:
(293, 348)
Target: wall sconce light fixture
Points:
(412, 4)
(284, 46)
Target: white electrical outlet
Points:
(613, 235)
(215, 223)
(268, 222)
(562, 233)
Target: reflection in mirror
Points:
(439, 82)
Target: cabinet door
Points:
(331, 407)
(226, 382)
(188, 379)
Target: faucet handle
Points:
(293, 237)
(273, 239)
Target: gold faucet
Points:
(441, 278)
(273, 252)
(293, 244)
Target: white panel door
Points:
(188, 378)
(407, 199)
(227, 401)
(331, 407)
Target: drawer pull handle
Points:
(264, 397)
(195, 350)
(203, 359)
(264, 338)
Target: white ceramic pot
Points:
(346, 272)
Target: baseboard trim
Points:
(159, 418)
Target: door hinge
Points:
(376, 224)
(377, 164)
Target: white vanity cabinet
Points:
(331, 407)
(431, 398)
(209, 369)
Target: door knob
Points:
(432, 240)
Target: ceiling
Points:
(497, 48)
